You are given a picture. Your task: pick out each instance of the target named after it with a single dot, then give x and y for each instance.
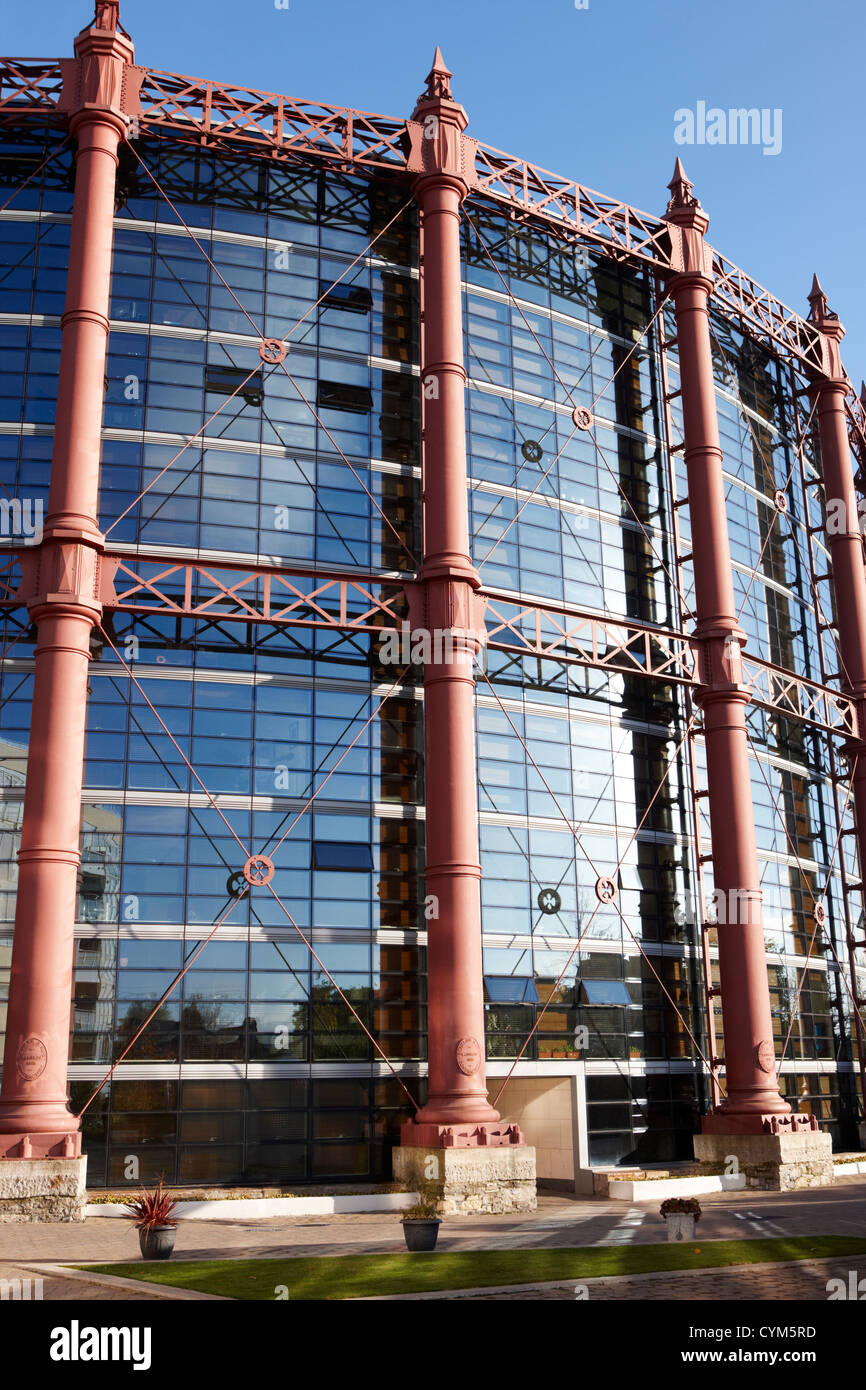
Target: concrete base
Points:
(772, 1162)
(42, 1189)
(467, 1181)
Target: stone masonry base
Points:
(500, 1179)
(772, 1162)
(42, 1189)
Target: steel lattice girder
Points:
(216, 116)
(157, 586)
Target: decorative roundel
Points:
(31, 1058)
(781, 501)
(235, 883)
(605, 890)
(820, 914)
(582, 417)
(272, 350)
(766, 1055)
(258, 870)
(549, 901)
(469, 1055)
(532, 451)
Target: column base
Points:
(782, 1162)
(467, 1181)
(43, 1189)
(456, 1136)
(51, 1144)
(720, 1122)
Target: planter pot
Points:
(421, 1235)
(157, 1243)
(680, 1226)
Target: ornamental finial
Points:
(107, 14)
(681, 189)
(439, 78)
(818, 301)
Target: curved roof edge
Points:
(214, 115)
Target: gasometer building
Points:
(432, 688)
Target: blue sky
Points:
(590, 93)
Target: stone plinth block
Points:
(42, 1189)
(772, 1162)
(489, 1180)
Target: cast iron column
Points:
(65, 586)
(845, 543)
(750, 1072)
(844, 538)
(445, 601)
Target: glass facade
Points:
(254, 1069)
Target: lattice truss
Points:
(260, 599)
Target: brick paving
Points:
(561, 1221)
(798, 1281)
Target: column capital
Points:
(688, 223)
(438, 148)
(828, 324)
(102, 79)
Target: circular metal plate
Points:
(272, 350)
(605, 890)
(258, 870)
(549, 901)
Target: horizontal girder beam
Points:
(153, 586)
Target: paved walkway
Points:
(561, 1221)
(798, 1281)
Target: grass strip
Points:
(323, 1277)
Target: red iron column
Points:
(445, 602)
(844, 537)
(750, 1080)
(65, 586)
(845, 542)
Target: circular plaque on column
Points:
(468, 1055)
(766, 1055)
(31, 1058)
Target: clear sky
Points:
(591, 93)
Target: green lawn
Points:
(354, 1276)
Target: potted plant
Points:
(420, 1222)
(151, 1215)
(680, 1215)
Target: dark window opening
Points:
(353, 299)
(92, 884)
(337, 395)
(331, 854)
(226, 380)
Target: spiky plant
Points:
(152, 1208)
